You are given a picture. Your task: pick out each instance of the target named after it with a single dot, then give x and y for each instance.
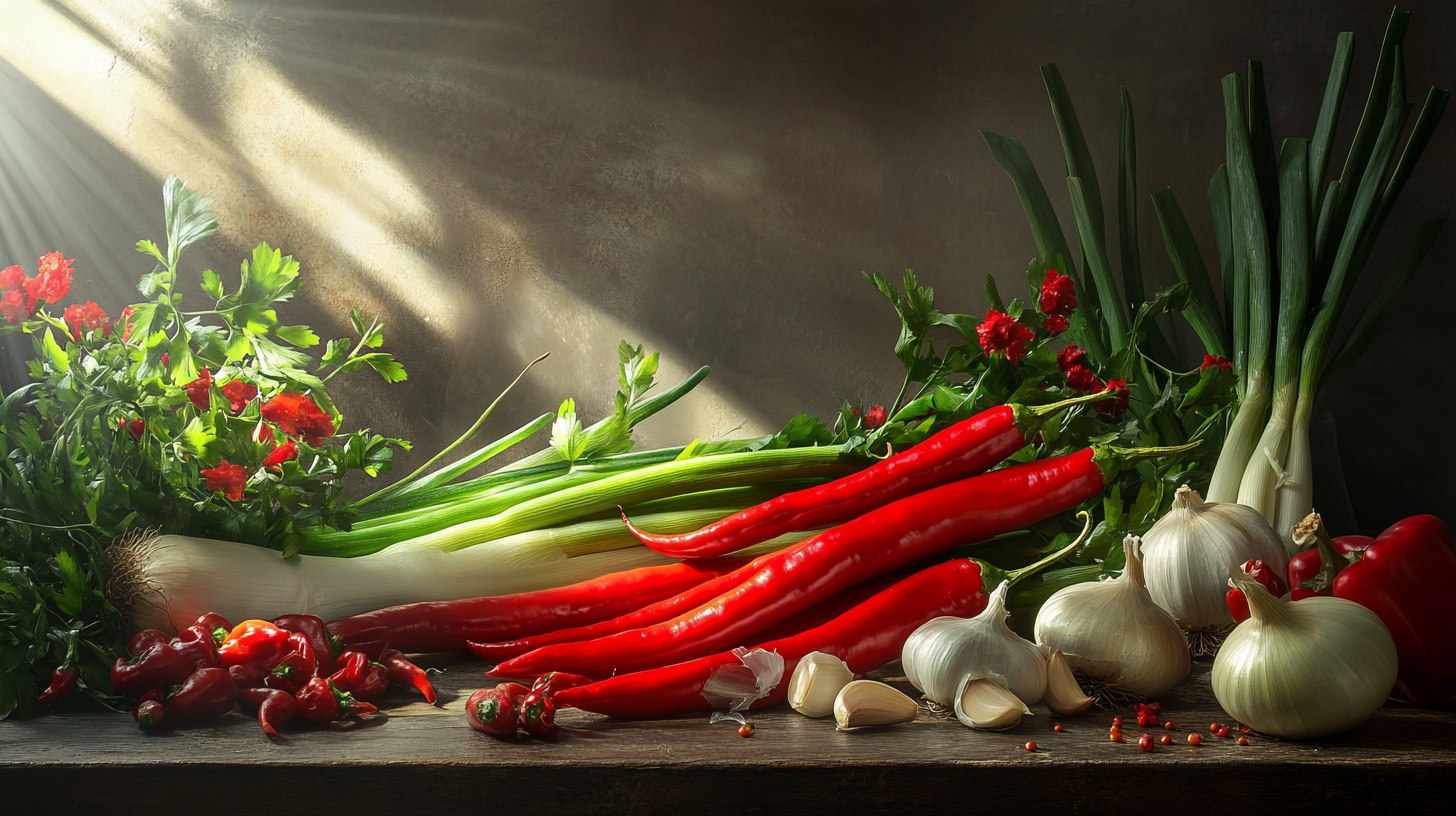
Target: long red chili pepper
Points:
(405, 673)
(868, 635)
(878, 542)
(964, 449)
(664, 610)
(446, 625)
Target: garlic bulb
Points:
(868, 702)
(816, 682)
(982, 702)
(1064, 694)
(1187, 556)
(944, 651)
(1112, 630)
(1305, 669)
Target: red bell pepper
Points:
(322, 702)
(254, 642)
(1406, 577)
(1307, 574)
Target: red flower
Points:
(228, 478)
(15, 306)
(297, 415)
(137, 427)
(1083, 381)
(200, 390)
(1209, 361)
(124, 323)
(239, 394)
(283, 453)
(1116, 402)
(1055, 324)
(53, 282)
(998, 332)
(1071, 357)
(1058, 296)
(81, 319)
(874, 417)
(13, 277)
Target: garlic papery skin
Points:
(864, 703)
(1112, 630)
(1304, 669)
(1188, 553)
(982, 702)
(816, 683)
(944, 651)
(1064, 694)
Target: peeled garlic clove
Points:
(816, 683)
(983, 703)
(867, 702)
(1063, 694)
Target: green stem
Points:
(1031, 569)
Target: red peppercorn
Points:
(1214, 727)
(745, 730)
(1166, 740)
(1116, 736)
(1058, 728)
(1145, 742)
(1223, 732)
(1170, 726)
(1243, 740)
(1194, 739)
(1117, 721)
(1031, 746)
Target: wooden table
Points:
(420, 758)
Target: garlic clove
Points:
(1064, 695)
(816, 683)
(983, 703)
(864, 703)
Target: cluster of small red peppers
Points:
(281, 669)
(509, 707)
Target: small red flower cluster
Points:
(874, 417)
(298, 416)
(1080, 378)
(239, 394)
(199, 391)
(228, 478)
(998, 332)
(1058, 299)
(1209, 361)
(21, 296)
(81, 319)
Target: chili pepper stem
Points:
(1113, 460)
(1030, 418)
(1031, 569)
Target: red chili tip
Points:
(1031, 746)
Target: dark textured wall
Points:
(708, 178)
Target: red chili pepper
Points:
(291, 673)
(688, 599)
(402, 671)
(1263, 573)
(866, 636)
(321, 701)
(881, 541)
(964, 449)
(274, 706)
(156, 695)
(151, 716)
(496, 711)
(538, 709)
(62, 681)
(1307, 573)
(444, 626)
(1406, 578)
(324, 648)
(247, 676)
(255, 642)
(159, 665)
(197, 647)
(145, 639)
(206, 694)
(360, 676)
(210, 626)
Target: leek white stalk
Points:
(943, 652)
(1306, 669)
(1112, 631)
(161, 582)
(1188, 553)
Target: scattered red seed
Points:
(1116, 736)
(1166, 740)
(1214, 727)
(1194, 739)
(1117, 721)
(745, 730)
(1058, 728)
(1156, 708)
(1170, 726)
(1223, 732)
(1145, 742)
(1243, 740)
(1031, 746)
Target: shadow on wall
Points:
(707, 178)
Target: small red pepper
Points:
(290, 674)
(274, 707)
(496, 711)
(151, 716)
(62, 681)
(255, 642)
(196, 645)
(1307, 574)
(1263, 573)
(360, 676)
(156, 695)
(247, 676)
(159, 665)
(145, 639)
(322, 702)
(402, 671)
(538, 709)
(324, 645)
(207, 694)
(1146, 718)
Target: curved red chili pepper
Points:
(207, 694)
(663, 610)
(62, 681)
(878, 542)
(866, 636)
(402, 671)
(159, 665)
(144, 640)
(360, 676)
(321, 645)
(964, 449)
(275, 707)
(445, 625)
